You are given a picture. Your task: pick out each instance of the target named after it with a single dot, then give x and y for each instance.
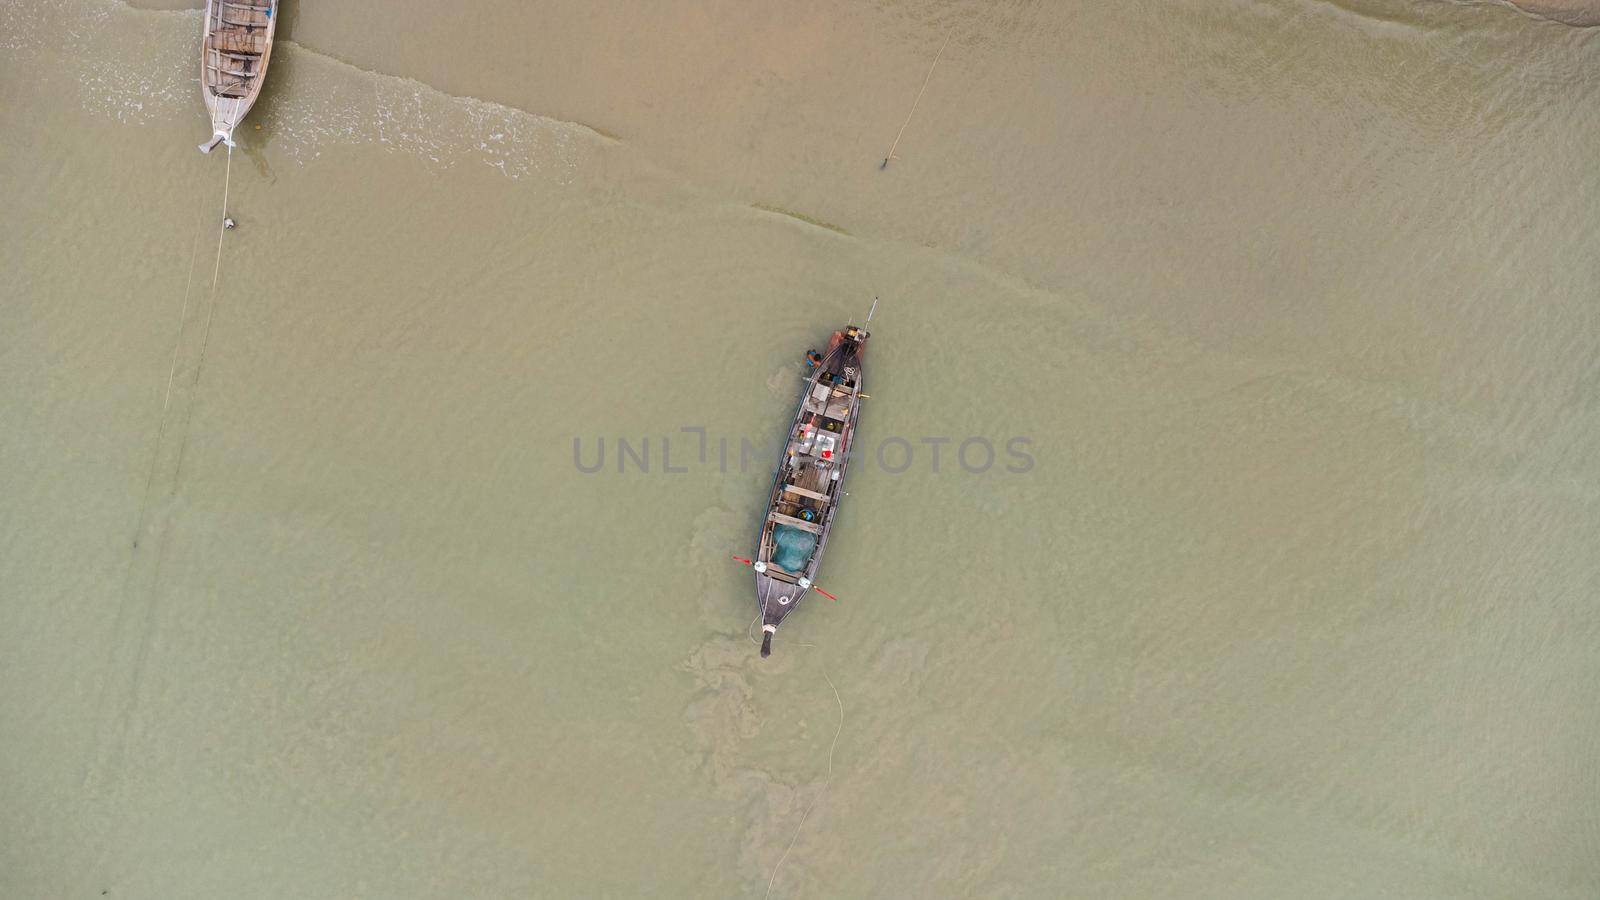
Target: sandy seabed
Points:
(1572, 12)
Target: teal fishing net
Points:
(793, 547)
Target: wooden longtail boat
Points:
(809, 482)
(233, 61)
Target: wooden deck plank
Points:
(801, 524)
(796, 489)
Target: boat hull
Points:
(234, 51)
(803, 503)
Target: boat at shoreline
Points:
(809, 482)
(233, 61)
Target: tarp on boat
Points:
(792, 547)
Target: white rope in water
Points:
(750, 633)
(824, 789)
(216, 270)
(211, 313)
(166, 403)
(172, 374)
(918, 100)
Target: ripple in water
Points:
(144, 71)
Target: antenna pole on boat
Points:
(873, 310)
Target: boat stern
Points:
(777, 598)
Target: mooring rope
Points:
(161, 430)
(211, 313)
(172, 375)
(824, 789)
(826, 780)
(928, 78)
(216, 270)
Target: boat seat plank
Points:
(217, 80)
(237, 40)
(214, 75)
(236, 57)
(801, 524)
(248, 20)
(796, 489)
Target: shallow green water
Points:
(1294, 304)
